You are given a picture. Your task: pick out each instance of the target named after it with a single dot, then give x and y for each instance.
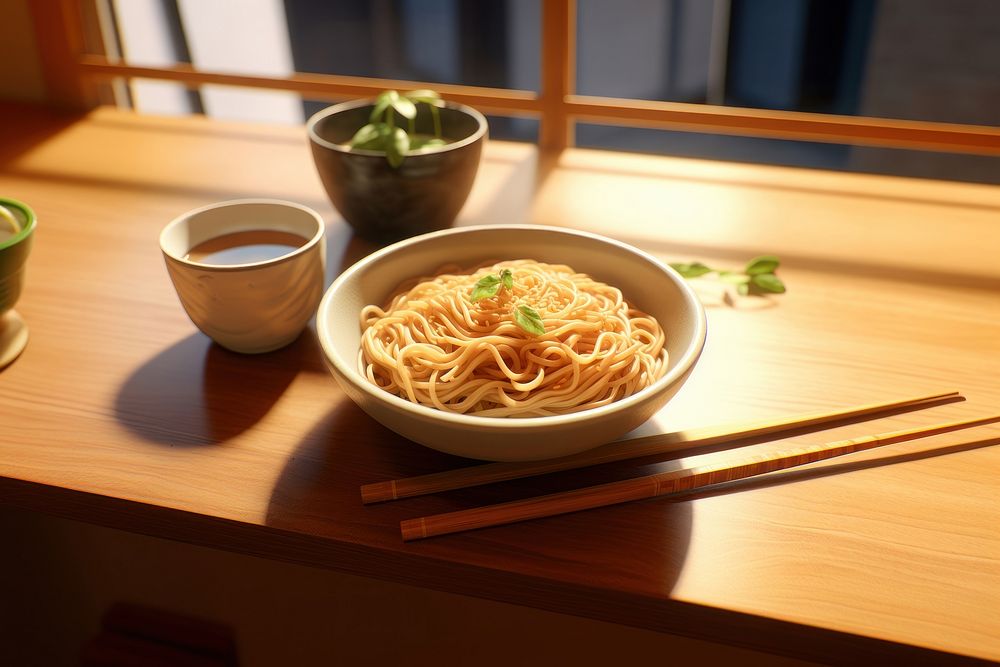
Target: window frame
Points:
(78, 79)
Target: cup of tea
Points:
(17, 231)
(248, 272)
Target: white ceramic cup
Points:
(254, 307)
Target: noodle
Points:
(433, 346)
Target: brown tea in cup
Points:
(245, 247)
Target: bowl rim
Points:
(684, 364)
(481, 129)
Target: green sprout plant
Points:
(384, 131)
(756, 278)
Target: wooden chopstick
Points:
(626, 449)
(659, 484)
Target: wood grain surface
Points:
(665, 483)
(675, 443)
(121, 413)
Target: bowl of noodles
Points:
(512, 342)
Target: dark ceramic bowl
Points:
(385, 203)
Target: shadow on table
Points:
(199, 393)
(318, 493)
(24, 126)
(636, 546)
(345, 251)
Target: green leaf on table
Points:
(762, 264)
(756, 278)
(692, 270)
(767, 282)
(485, 287)
(734, 277)
(528, 319)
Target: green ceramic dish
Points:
(14, 252)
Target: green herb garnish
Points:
(757, 277)
(507, 278)
(484, 288)
(489, 285)
(528, 319)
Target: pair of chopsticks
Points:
(650, 485)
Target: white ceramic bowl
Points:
(646, 283)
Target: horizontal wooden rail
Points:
(766, 123)
(318, 86)
(920, 135)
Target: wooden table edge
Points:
(686, 619)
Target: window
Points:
(892, 86)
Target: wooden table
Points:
(121, 413)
